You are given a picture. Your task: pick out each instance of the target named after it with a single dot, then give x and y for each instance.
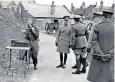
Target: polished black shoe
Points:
(64, 66)
(76, 72)
(74, 67)
(83, 71)
(59, 66)
(35, 68)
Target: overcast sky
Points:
(77, 3)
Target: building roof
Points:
(12, 3)
(5, 4)
(44, 10)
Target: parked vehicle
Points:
(51, 27)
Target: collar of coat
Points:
(106, 20)
(64, 28)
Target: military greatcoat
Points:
(103, 44)
(63, 39)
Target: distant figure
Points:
(102, 63)
(78, 45)
(32, 35)
(63, 41)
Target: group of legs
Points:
(80, 54)
(63, 59)
(80, 59)
(33, 53)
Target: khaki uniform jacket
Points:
(80, 41)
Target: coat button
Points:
(103, 69)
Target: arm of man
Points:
(90, 36)
(111, 52)
(72, 36)
(58, 35)
(95, 43)
(35, 31)
(86, 34)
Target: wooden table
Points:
(18, 48)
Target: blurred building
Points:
(87, 12)
(40, 14)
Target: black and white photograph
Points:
(57, 40)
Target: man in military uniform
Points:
(78, 43)
(32, 35)
(63, 41)
(102, 63)
(97, 18)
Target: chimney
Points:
(96, 3)
(113, 5)
(72, 8)
(101, 5)
(52, 8)
(83, 5)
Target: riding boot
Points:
(35, 66)
(74, 67)
(80, 59)
(65, 59)
(84, 65)
(77, 71)
(61, 61)
(78, 66)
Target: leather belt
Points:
(102, 58)
(79, 35)
(64, 40)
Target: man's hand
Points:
(32, 28)
(56, 43)
(72, 47)
(106, 57)
(88, 49)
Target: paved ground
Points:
(48, 59)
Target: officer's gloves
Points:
(88, 49)
(56, 43)
(106, 58)
(103, 58)
(72, 47)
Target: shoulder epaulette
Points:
(72, 24)
(99, 23)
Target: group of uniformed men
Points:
(100, 40)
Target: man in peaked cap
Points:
(97, 18)
(102, 64)
(66, 17)
(78, 44)
(63, 42)
(107, 13)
